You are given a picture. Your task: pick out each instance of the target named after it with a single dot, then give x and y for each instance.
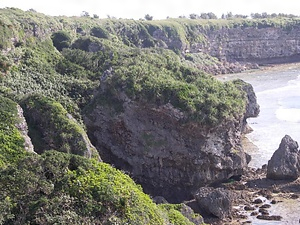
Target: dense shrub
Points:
(99, 32)
(51, 127)
(68, 189)
(159, 77)
(61, 39)
(11, 140)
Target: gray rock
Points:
(168, 156)
(159, 200)
(217, 202)
(190, 214)
(267, 217)
(23, 128)
(285, 162)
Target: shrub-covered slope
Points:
(11, 141)
(58, 188)
(51, 127)
(61, 70)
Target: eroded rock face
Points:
(285, 162)
(23, 128)
(169, 157)
(216, 202)
(252, 107)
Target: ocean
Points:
(278, 94)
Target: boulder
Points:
(216, 202)
(285, 162)
(191, 215)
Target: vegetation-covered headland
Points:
(136, 94)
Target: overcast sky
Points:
(159, 9)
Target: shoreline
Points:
(282, 197)
(258, 200)
(272, 67)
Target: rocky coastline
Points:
(256, 193)
(135, 88)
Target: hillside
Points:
(135, 94)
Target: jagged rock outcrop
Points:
(285, 162)
(216, 202)
(23, 128)
(252, 107)
(168, 157)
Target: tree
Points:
(204, 16)
(212, 15)
(229, 15)
(193, 16)
(148, 17)
(32, 10)
(96, 16)
(85, 14)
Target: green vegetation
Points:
(158, 77)
(175, 213)
(61, 39)
(60, 188)
(11, 140)
(55, 67)
(51, 127)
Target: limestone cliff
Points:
(169, 157)
(254, 41)
(252, 44)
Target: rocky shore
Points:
(253, 197)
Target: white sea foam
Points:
(289, 115)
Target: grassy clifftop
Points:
(76, 53)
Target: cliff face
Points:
(243, 41)
(166, 155)
(261, 45)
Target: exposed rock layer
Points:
(265, 44)
(23, 128)
(167, 156)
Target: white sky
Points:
(159, 9)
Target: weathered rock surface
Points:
(285, 162)
(168, 157)
(252, 107)
(267, 217)
(190, 214)
(217, 202)
(264, 44)
(23, 128)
